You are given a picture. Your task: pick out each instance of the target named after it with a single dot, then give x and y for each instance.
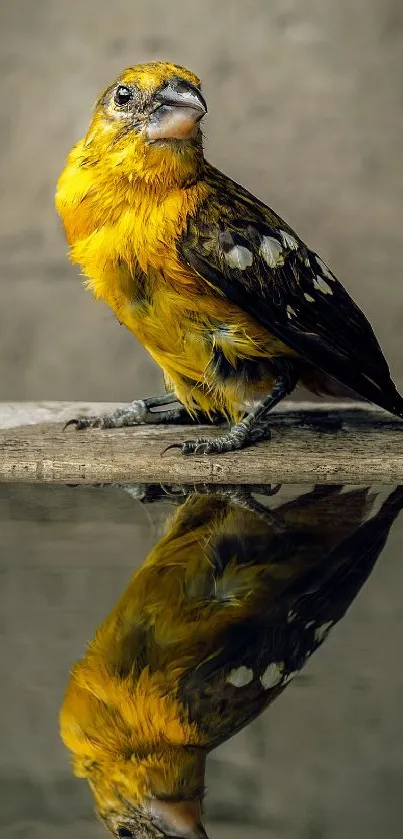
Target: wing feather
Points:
(248, 253)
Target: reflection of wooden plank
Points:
(311, 442)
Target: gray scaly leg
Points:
(256, 425)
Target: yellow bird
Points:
(221, 292)
(225, 610)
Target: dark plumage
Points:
(298, 300)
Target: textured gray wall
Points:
(305, 105)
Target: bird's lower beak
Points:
(177, 114)
(180, 819)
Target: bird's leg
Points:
(140, 412)
(239, 495)
(256, 425)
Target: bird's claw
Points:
(202, 445)
(237, 438)
(199, 446)
(81, 422)
(189, 447)
(171, 446)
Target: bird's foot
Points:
(239, 495)
(146, 412)
(243, 496)
(139, 412)
(134, 414)
(223, 490)
(240, 436)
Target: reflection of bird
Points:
(221, 292)
(212, 627)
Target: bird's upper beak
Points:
(179, 109)
(180, 819)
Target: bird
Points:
(226, 609)
(221, 292)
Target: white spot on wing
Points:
(239, 257)
(288, 240)
(240, 676)
(322, 631)
(324, 269)
(290, 312)
(271, 676)
(271, 251)
(322, 285)
(309, 298)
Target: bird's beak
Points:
(180, 819)
(179, 109)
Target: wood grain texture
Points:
(311, 442)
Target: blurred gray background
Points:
(305, 103)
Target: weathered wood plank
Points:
(311, 442)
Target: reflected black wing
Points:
(247, 253)
(256, 658)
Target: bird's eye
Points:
(123, 95)
(124, 833)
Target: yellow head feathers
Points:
(145, 125)
(149, 77)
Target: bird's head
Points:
(159, 796)
(146, 125)
(130, 738)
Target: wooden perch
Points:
(311, 443)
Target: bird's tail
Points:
(393, 505)
(390, 400)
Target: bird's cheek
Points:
(173, 123)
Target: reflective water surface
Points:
(238, 592)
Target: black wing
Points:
(245, 251)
